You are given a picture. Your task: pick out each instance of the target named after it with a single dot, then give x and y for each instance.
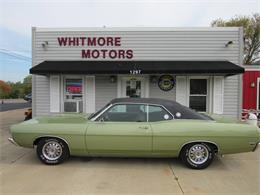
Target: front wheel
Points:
(197, 155)
(52, 151)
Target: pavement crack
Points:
(176, 179)
(15, 160)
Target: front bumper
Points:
(10, 139)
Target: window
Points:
(126, 113)
(157, 113)
(73, 95)
(198, 94)
(133, 88)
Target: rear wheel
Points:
(197, 155)
(52, 151)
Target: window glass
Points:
(133, 88)
(126, 113)
(73, 95)
(118, 108)
(73, 89)
(157, 113)
(198, 86)
(198, 103)
(198, 94)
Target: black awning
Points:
(140, 67)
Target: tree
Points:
(251, 27)
(16, 89)
(5, 89)
(27, 84)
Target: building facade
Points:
(82, 69)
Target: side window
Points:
(158, 113)
(126, 113)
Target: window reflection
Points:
(133, 88)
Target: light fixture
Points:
(44, 44)
(229, 43)
(252, 84)
(112, 79)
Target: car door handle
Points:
(143, 127)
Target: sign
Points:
(111, 46)
(74, 86)
(166, 82)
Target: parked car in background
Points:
(28, 97)
(136, 127)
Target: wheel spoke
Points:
(52, 150)
(198, 154)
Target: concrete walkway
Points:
(22, 173)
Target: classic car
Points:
(136, 127)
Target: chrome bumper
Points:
(12, 141)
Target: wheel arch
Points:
(213, 144)
(37, 139)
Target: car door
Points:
(165, 138)
(122, 130)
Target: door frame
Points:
(257, 93)
(121, 78)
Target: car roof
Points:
(170, 105)
(143, 100)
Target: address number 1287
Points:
(135, 71)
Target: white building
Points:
(82, 69)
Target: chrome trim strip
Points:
(200, 141)
(10, 139)
(94, 119)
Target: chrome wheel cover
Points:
(198, 154)
(52, 150)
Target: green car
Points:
(136, 127)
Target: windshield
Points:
(96, 113)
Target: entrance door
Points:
(133, 87)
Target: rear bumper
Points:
(10, 139)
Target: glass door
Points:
(133, 87)
(73, 95)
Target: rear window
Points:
(158, 113)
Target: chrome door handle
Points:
(143, 127)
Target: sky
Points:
(18, 16)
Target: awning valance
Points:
(225, 68)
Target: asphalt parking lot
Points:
(21, 172)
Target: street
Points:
(13, 104)
(22, 173)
